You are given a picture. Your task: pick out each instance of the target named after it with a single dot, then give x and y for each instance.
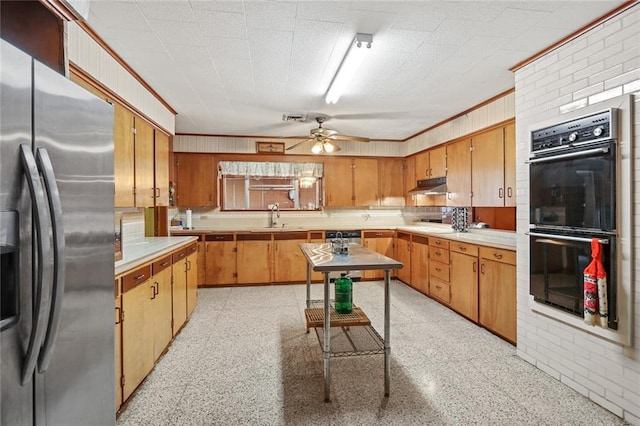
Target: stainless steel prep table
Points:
(320, 258)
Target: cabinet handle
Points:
(474, 266)
(438, 269)
(482, 268)
(439, 287)
(500, 193)
(158, 190)
(153, 291)
(188, 265)
(462, 248)
(164, 264)
(448, 195)
(438, 243)
(497, 255)
(219, 237)
(509, 192)
(139, 277)
(438, 253)
(119, 315)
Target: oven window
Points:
(556, 274)
(577, 192)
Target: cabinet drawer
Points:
(420, 240)
(439, 242)
(135, 278)
(161, 264)
(192, 248)
(219, 237)
(377, 234)
(439, 271)
(316, 235)
(499, 255)
(440, 290)
(404, 236)
(178, 255)
(438, 254)
(463, 248)
(298, 235)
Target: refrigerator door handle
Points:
(55, 207)
(44, 263)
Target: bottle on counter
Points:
(343, 294)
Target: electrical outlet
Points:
(203, 217)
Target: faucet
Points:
(275, 208)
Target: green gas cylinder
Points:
(344, 294)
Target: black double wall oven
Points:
(572, 195)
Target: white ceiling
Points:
(234, 67)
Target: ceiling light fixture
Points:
(323, 146)
(355, 55)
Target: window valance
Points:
(270, 169)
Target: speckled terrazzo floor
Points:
(244, 358)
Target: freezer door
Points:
(16, 403)
(75, 129)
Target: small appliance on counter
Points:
(479, 225)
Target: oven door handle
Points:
(603, 150)
(566, 238)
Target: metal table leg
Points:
(387, 334)
(327, 339)
(308, 285)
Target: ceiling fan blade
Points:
(350, 138)
(299, 143)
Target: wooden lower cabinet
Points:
(380, 242)
(220, 259)
(179, 291)
(497, 292)
(137, 338)
(289, 264)
(253, 258)
(118, 344)
(439, 270)
(464, 279)
(202, 263)
(192, 277)
(403, 255)
(420, 263)
(161, 305)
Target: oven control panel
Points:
(582, 130)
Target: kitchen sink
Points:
(285, 229)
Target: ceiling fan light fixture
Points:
(358, 49)
(328, 146)
(317, 148)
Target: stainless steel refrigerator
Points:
(57, 241)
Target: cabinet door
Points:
(254, 261)
(192, 282)
(422, 165)
(403, 255)
(381, 243)
(118, 348)
(392, 184)
(365, 182)
(410, 180)
(145, 182)
(497, 298)
(161, 303)
(221, 261)
(179, 292)
(202, 263)
(290, 265)
(510, 165)
(161, 168)
(137, 336)
(459, 173)
(438, 162)
(487, 166)
(420, 264)
(123, 157)
(464, 284)
(196, 179)
(338, 182)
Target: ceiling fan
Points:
(324, 139)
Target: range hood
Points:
(435, 186)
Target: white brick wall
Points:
(600, 64)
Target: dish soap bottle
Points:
(343, 294)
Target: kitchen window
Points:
(259, 185)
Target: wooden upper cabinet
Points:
(195, 180)
(338, 182)
(438, 161)
(459, 173)
(510, 165)
(392, 181)
(123, 157)
(410, 180)
(161, 168)
(144, 159)
(365, 182)
(422, 165)
(487, 167)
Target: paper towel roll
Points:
(189, 219)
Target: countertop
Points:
(485, 237)
(135, 254)
(323, 259)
